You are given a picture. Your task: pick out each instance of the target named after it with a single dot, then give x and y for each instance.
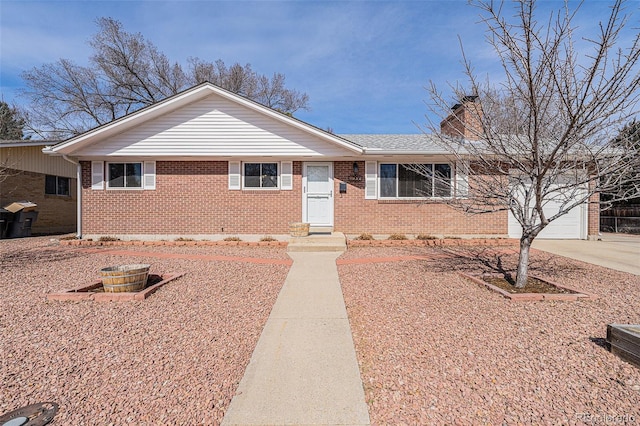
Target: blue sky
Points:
(364, 64)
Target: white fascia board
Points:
(24, 144)
(47, 150)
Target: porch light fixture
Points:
(355, 168)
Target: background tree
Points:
(545, 132)
(628, 139)
(127, 72)
(11, 123)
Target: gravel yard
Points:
(175, 358)
(436, 349)
(433, 348)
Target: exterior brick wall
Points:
(354, 214)
(192, 197)
(57, 214)
(464, 120)
(593, 225)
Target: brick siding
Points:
(593, 225)
(464, 121)
(192, 197)
(354, 214)
(57, 214)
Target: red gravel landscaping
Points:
(435, 348)
(173, 359)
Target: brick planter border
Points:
(86, 292)
(434, 242)
(526, 297)
(173, 243)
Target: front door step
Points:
(321, 229)
(336, 241)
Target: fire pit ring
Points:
(124, 278)
(31, 415)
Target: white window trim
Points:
(462, 182)
(97, 175)
(380, 197)
(234, 175)
(149, 175)
(286, 175)
(124, 188)
(260, 188)
(371, 180)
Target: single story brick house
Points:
(207, 163)
(26, 173)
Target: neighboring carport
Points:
(615, 251)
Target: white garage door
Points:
(571, 226)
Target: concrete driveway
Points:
(615, 251)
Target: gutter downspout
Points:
(78, 194)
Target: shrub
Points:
(364, 237)
(184, 239)
(452, 237)
(397, 237)
(108, 238)
(425, 237)
(69, 237)
(267, 238)
(232, 239)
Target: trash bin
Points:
(24, 215)
(6, 217)
(21, 225)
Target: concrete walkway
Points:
(304, 369)
(615, 251)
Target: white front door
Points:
(317, 194)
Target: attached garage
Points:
(572, 226)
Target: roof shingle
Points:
(397, 142)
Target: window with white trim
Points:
(56, 185)
(430, 180)
(124, 175)
(260, 175)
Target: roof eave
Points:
(29, 143)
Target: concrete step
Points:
(320, 229)
(336, 241)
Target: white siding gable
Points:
(214, 127)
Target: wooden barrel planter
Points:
(124, 278)
(299, 229)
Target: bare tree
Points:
(545, 134)
(128, 72)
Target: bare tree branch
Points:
(128, 72)
(546, 134)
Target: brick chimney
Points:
(464, 120)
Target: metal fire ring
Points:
(32, 415)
